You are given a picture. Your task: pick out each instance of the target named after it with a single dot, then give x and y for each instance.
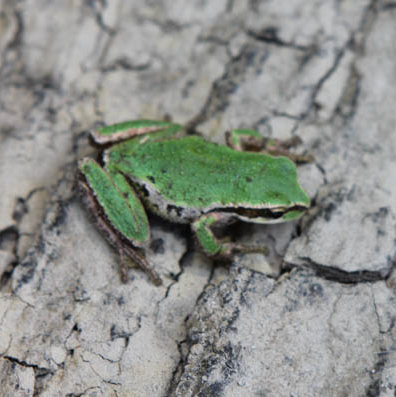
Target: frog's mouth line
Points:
(265, 213)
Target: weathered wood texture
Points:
(324, 324)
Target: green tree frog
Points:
(185, 179)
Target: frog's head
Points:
(292, 207)
(275, 196)
(284, 198)
(271, 215)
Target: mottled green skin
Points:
(191, 172)
(186, 179)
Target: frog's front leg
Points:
(117, 212)
(213, 246)
(249, 140)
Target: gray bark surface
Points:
(316, 317)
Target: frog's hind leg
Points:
(214, 247)
(249, 140)
(129, 129)
(117, 212)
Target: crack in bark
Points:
(374, 388)
(313, 104)
(221, 90)
(14, 45)
(39, 373)
(367, 22)
(180, 366)
(97, 8)
(270, 35)
(176, 276)
(332, 273)
(83, 393)
(376, 385)
(25, 364)
(125, 63)
(17, 39)
(178, 370)
(10, 237)
(347, 105)
(388, 6)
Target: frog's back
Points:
(191, 172)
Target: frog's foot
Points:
(213, 246)
(277, 147)
(249, 140)
(230, 249)
(138, 259)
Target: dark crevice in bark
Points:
(332, 273)
(270, 35)
(222, 89)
